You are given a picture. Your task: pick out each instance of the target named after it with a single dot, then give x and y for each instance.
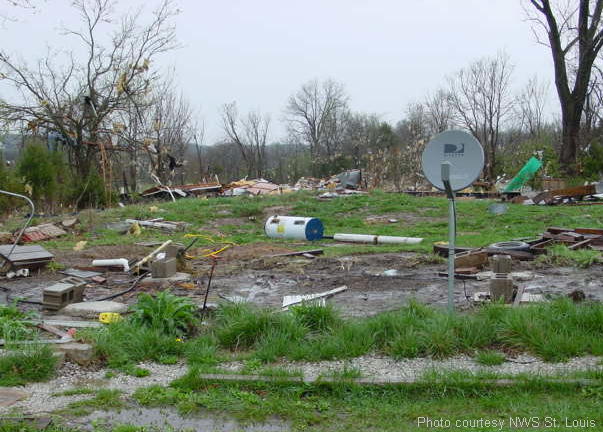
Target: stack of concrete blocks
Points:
(501, 283)
(167, 266)
(67, 290)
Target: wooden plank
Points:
(4, 249)
(595, 231)
(295, 299)
(581, 244)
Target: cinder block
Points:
(501, 286)
(172, 250)
(163, 268)
(501, 264)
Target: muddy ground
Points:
(251, 273)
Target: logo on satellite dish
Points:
(454, 150)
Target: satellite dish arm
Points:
(446, 179)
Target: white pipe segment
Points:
(112, 262)
(367, 238)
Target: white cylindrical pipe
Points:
(112, 262)
(398, 240)
(367, 238)
(356, 238)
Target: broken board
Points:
(295, 299)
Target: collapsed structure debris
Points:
(41, 233)
(159, 223)
(31, 257)
(181, 191)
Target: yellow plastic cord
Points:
(210, 239)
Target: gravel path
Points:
(71, 376)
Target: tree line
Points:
(108, 121)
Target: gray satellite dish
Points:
(461, 150)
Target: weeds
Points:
(10, 326)
(166, 312)
(554, 331)
(104, 399)
(123, 344)
(490, 358)
(31, 363)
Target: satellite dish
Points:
(461, 150)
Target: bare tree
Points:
(574, 33)
(529, 107)
(249, 134)
(480, 98)
(79, 98)
(316, 115)
(439, 112)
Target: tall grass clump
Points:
(11, 327)
(555, 331)
(30, 363)
(165, 312)
(124, 343)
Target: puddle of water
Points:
(167, 419)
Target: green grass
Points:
(11, 328)
(554, 331)
(344, 406)
(490, 358)
(561, 255)
(29, 363)
(104, 399)
(419, 217)
(75, 391)
(124, 344)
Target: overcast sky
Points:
(387, 53)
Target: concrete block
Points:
(164, 268)
(501, 286)
(501, 263)
(172, 250)
(92, 309)
(79, 353)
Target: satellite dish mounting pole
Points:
(452, 161)
(451, 232)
